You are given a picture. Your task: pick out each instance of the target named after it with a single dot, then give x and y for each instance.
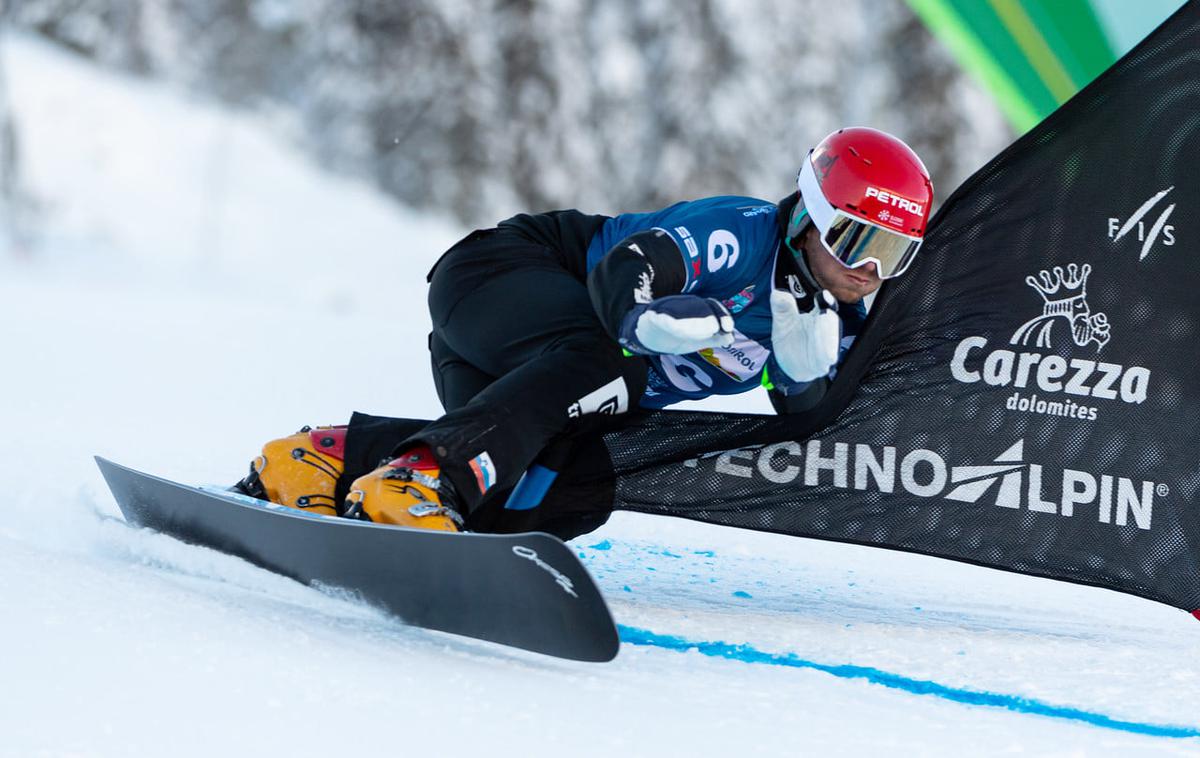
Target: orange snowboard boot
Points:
(406, 491)
(300, 471)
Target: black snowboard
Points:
(524, 590)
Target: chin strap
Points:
(793, 273)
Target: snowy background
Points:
(484, 108)
(180, 282)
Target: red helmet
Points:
(869, 196)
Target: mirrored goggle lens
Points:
(855, 242)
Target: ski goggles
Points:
(851, 240)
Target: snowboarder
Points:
(551, 321)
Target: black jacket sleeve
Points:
(642, 267)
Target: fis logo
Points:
(1137, 224)
(888, 198)
(1006, 482)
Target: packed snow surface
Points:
(197, 288)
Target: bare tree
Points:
(13, 228)
(482, 108)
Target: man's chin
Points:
(852, 295)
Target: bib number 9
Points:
(722, 250)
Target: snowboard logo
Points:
(561, 579)
(1064, 298)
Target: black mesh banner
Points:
(1027, 396)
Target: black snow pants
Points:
(519, 359)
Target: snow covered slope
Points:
(200, 288)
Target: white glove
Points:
(805, 344)
(682, 324)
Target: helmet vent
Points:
(858, 155)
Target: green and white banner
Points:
(1033, 55)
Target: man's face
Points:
(847, 285)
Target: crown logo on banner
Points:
(1064, 296)
(1072, 284)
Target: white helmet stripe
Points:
(814, 200)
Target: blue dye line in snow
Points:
(747, 654)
